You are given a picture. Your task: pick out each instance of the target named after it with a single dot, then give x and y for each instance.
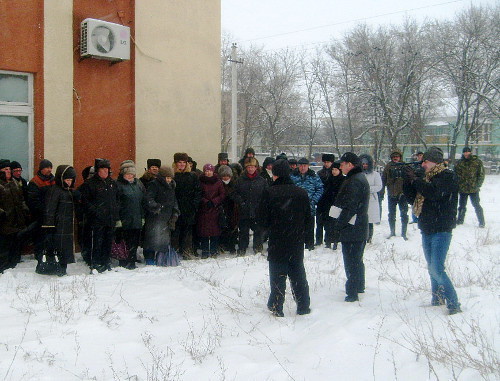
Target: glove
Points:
(172, 221)
(210, 204)
(118, 224)
(409, 173)
(142, 221)
(336, 236)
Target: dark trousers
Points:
(8, 246)
(278, 272)
(182, 238)
(132, 238)
(229, 239)
(244, 236)
(462, 207)
(320, 225)
(329, 224)
(402, 202)
(209, 246)
(354, 267)
(100, 250)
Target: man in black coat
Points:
(325, 174)
(284, 211)
(99, 196)
(351, 227)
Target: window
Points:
(16, 119)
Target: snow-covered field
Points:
(207, 319)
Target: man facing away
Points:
(284, 211)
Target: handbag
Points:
(222, 218)
(49, 264)
(119, 250)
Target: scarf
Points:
(419, 199)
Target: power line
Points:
(349, 21)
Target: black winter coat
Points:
(131, 200)
(332, 187)
(439, 210)
(100, 201)
(160, 205)
(284, 211)
(353, 198)
(188, 193)
(247, 194)
(13, 210)
(37, 189)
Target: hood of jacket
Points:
(369, 159)
(62, 172)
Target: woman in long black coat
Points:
(162, 212)
(59, 214)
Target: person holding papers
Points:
(351, 227)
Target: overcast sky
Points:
(294, 23)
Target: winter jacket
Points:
(332, 187)
(100, 201)
(161, 206)
(439, 209)
(146, 178)
(324, 174)
(13, 210)
(375, 183)
(312, 184)
(23, 184)
(37, 188)
(470, 174)
(353, 198)
(247, 194)
(213, 195)
(59, 214)
(266, 176)
(285, 212)
(188, 194)
(131, 199)
(392, 177)
(230, 207)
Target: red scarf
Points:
(252, 176)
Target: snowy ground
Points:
(207, 319)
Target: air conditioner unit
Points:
(104, 40)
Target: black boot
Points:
(404, 228)
(461, 216)
(480, 217)
(392, 225)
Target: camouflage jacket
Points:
(470, 174)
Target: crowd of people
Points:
(179, 211)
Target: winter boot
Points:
(392, 225)
(480, 217)
(404, 228)
(461, 216)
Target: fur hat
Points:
(467, 149)
(153, 162)
(225, 170)
(222, 156)
(101, 163)
(208, 167)
(45, 164)
(303, 161)
(350, 157)
(336, 164)
(328, 157)
(127, 166)
(4, 163)
(249, 150)
(166, 171)
(250, 161)
(181, 156)
(434, 154)
(281, 168)
(292, 161)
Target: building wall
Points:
(21, 49)
(103, 101)
(177, 79)
(58, 88)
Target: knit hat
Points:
(208, 167)
(4, 163)
(292, 161)
(282, 156)
(127, 166)
(180, 156)
(250, 161)
(303, 161)
(249, 150)
(350, 157)
(336, 164)
(86, 173)
(45, 164)
(222, 156)
(434, 154)
(281, 168)
(166, 171)
(267, 161)
(467, 149)
(328, 157)
(153, 162)
(225, 170)
(15, 165)
(396, 152)
(101, 163)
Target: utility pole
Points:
(234, 104)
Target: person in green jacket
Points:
(470, 172)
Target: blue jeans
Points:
(435, 249)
